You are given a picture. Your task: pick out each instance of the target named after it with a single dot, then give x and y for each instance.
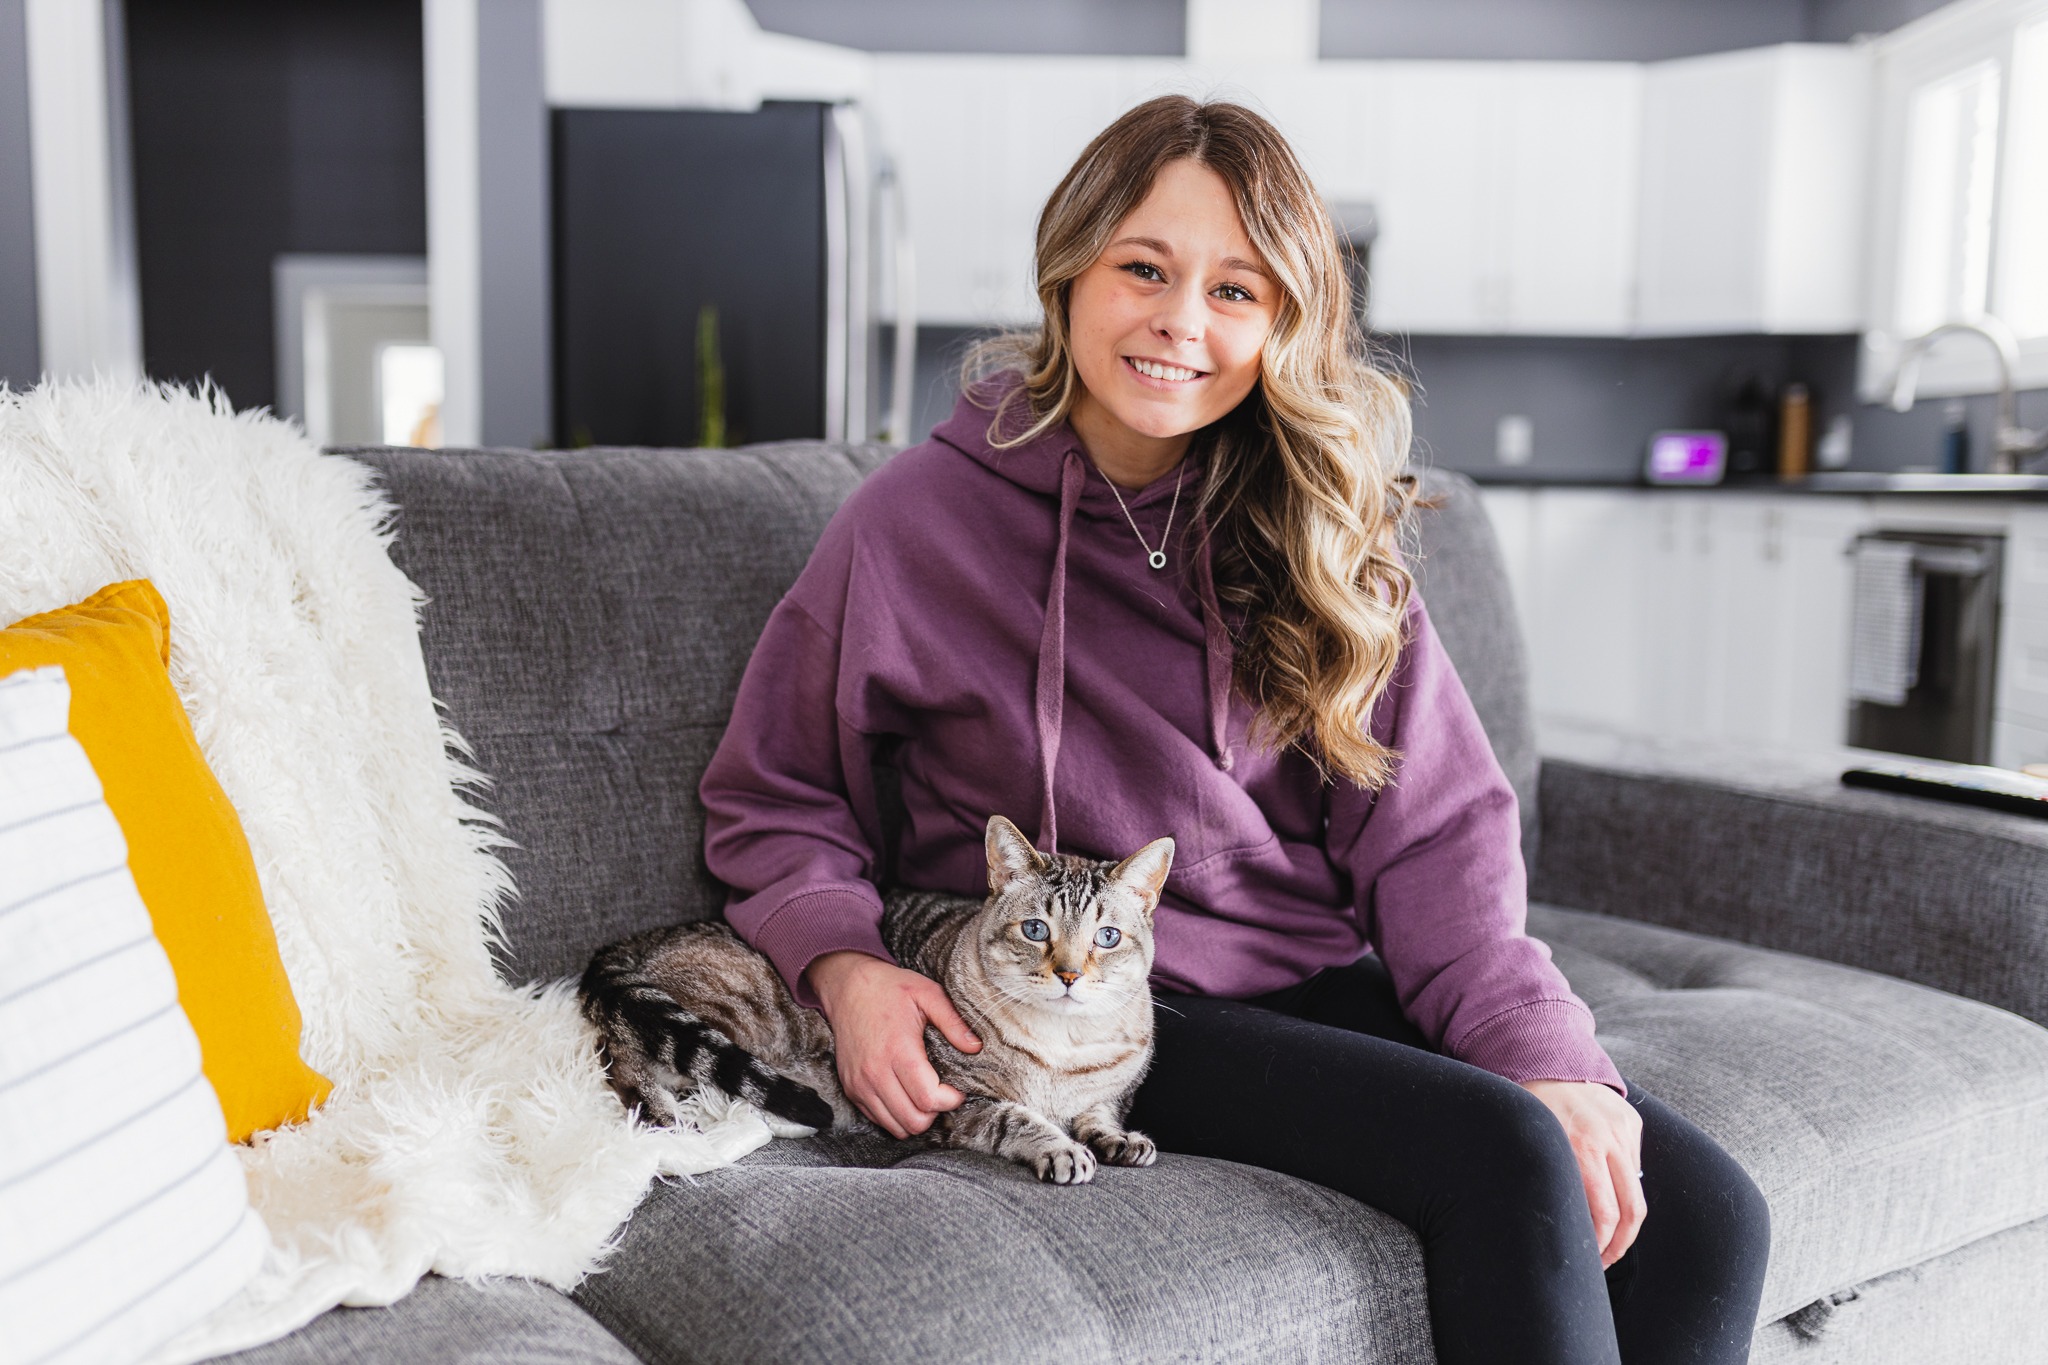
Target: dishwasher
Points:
(1924, 643)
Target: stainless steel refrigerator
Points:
(731, 261)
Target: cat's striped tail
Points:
(649, 1036)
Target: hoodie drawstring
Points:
(1217, 651)
(1052, 649)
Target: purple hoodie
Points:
(983, 619)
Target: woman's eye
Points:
(1037, 930)
(1144, 270)
(1106, 937)
(1234, 293)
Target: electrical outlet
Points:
(1514, 439)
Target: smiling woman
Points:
(1350, 993)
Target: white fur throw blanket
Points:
(470, 1131)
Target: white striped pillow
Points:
(124, 1217)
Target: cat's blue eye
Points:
(1037, 930)
(1106, 937)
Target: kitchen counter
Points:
(1847, 481)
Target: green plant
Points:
(710, 380)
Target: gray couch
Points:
(590, 615)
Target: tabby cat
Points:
(1049, 971)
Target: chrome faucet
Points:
(2012, 442)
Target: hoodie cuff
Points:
(814, 923)
(1544, 1040)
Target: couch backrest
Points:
(590, 612)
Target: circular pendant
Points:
(1157, 559)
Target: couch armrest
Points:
(1778, 853)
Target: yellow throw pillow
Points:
(186, 848)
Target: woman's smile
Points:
(1163, 374)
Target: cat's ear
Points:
(1010, 854)
(1145, 871)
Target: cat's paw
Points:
(1071, 1164)
(1124, 1149)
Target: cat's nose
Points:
(1067, 978)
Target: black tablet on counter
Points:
(1967, 783)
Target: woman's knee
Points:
(1708, 1201)
(1525, 1149)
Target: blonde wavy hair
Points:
(1307, 482)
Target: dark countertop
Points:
(1848, 481)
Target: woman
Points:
(1144, 581)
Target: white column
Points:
(454, 226)
(1236, 32)
(88, 298)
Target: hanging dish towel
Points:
(1884, 658)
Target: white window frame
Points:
(1942, 44)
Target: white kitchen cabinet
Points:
(1752, 197)
(1437, 265)
(1588, 609)
(980, 142)
(1506, 197)
(1569, 254)
(1707, 616)
(2020, 730)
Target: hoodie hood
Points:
(1056, 467)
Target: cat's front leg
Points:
(1009, 1130)
(1103, 1130)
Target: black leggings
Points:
(1329, 1082)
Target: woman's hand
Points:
(1607, 1137)
(878, 1012)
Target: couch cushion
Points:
(588, 617)
(504, 1322)
(1886, 1123)
(959, 1257)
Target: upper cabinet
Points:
(981, 143)
(1506, 194)
(1753, 192)
(1720, 194)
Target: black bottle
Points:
(1751, 420)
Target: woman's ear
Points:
(1010, 854)
(1144, 872)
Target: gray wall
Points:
(260, 130)
(20, 364)
(515, 273)
(1622, 30)
(1594, 402)
(1837, 21)
(1125, 28)
(1618, 30)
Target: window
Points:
(2023, 272)
(1961, 225)
(1945, 212)
(409, 391)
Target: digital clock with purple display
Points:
(1687, 457)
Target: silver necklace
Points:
(1156, 558)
